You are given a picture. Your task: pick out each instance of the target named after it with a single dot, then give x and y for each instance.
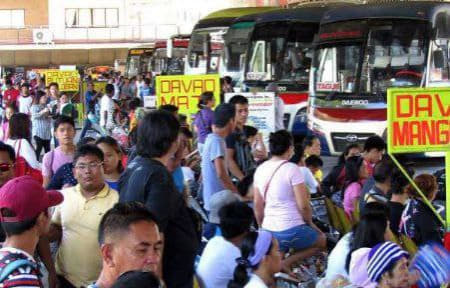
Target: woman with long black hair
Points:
(355, 174)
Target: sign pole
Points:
(447, 191)
(447, 200)
(424, 198)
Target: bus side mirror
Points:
(439, 59)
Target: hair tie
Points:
(242, 261)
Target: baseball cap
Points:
(217, 201)
(26, 198)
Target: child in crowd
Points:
(9, 111)
(132, 106)
(256, 142)
(299, 159)
(42, 123)
(66, 107)
(25, 99)
(112, 163)
(312, 146)
(355, 174)
(64, 130)
(315, 164)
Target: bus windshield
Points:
(175, 64)
(395, 56)
(205, 42)
(282, 52)
(133, 65)
(236, 41)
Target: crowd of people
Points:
(208, 203)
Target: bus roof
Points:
(306, 13)
(224, 18)
(417, 10)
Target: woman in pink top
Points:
(9, 111)
(355, 174)
(281, 202)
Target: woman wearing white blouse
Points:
(20, 139)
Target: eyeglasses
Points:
(90, 166)
(5, 167)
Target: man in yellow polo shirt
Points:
(78, 260)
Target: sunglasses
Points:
(5, 167)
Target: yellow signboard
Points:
(67, 80)
(418, 120)
(184, 91)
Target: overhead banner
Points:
(261, 110)
(418, 120)
(67, 80)
(184, 91)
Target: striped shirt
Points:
(24, 276)
(42, 124)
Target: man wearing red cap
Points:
(25, 217)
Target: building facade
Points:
(44, 33)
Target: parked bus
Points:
(236, 45)
(138, 60)
(169, 56)
(280, 50)
(362, 51)
(206, 49)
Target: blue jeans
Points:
(297, 238)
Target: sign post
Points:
(419, 121)
(184, 91)
(261, 110)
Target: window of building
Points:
(12, 19)
(92, 17)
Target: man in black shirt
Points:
(377, 186)
(147, 180)
(239, 153)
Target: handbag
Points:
(22, 167)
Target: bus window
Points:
(133, 65)
(395, 57)
(197, 53)
(237, 41)
(297, 54)
(440, 76)
(337, 69)
(266, 51)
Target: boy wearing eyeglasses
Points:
(78, 260)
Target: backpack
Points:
(13, 266)
(23, 168)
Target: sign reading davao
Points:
(418, 120)
(184, 91)
(67, 80)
